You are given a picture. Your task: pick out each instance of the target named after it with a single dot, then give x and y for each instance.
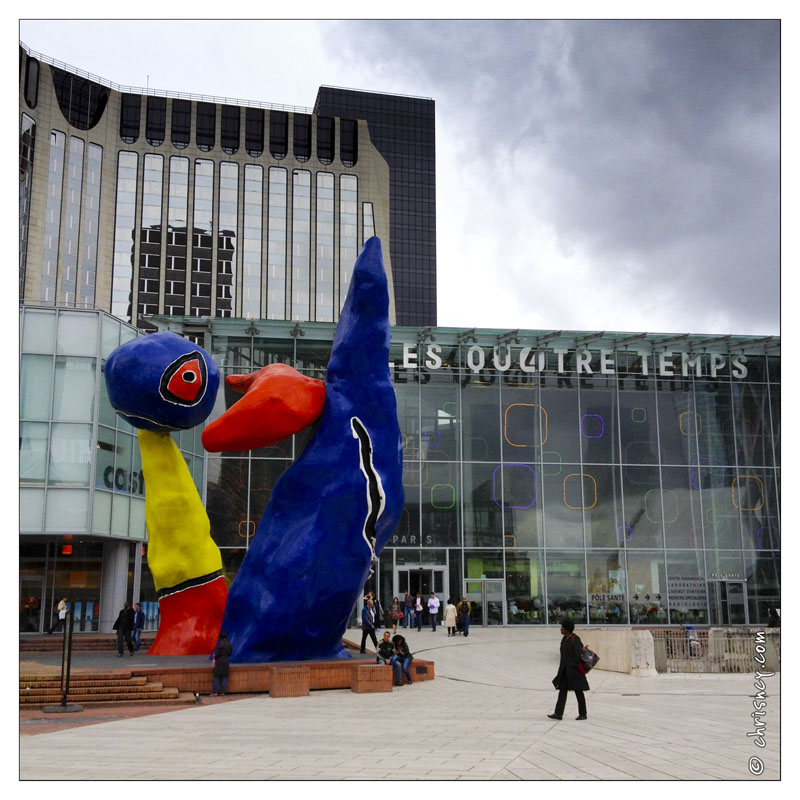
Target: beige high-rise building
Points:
(142, 202)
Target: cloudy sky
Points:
(591, 175)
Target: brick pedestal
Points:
(289, 681)
(368, 679)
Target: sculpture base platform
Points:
(257, 678)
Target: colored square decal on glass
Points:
(443, 495)
(518, 487)
(691, 424)
(624, 533)
(573, 498)
(747, 492)
(592, 426)
(639, 414)
(521, 422)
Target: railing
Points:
(375, 91)
(203, 98)
(718, 650)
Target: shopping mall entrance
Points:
(728, 601)
(423, 579)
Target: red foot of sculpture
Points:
(191, 620)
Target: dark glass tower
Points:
(403, 130)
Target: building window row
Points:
(27, 145)
(217, 246)
(230, 129)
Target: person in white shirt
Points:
(418, 610)
(62, 616)
(433, 609)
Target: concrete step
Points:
(36, 691)
(83, 642)
(55, 683)
(158, 699)
(112, 687)
(111, 675)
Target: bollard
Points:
(66, 662)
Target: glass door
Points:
(487, 601)
(424, 580)
(31, 592)
(737, 602)
(728, 602)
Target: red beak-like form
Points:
(278, 401)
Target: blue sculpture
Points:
(335, 508)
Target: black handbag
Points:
(587, 660)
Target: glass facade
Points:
(202, 238)
(324, 250)
(81, 487)
(301, 244)
(177, 222)
(124, 235)
(90, 225)
(52, 224)
(276, 258)
(404, 131)
(72, 216)
(150, 235)
(540, 480)
(27, 142)
(348, 232)
(227, 239)
(251, 241)
(545, 481)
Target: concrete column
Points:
(137, 572)
(114, 582)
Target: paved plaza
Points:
(483, 717)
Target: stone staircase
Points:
(97, 689)
(83, 642)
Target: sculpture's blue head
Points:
(162, 382)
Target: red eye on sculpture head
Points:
(184, 380)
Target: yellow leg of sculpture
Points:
(180, 549)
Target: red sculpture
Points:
(278, 401)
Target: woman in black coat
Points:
(569, 677)
(222, 653)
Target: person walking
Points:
(450, 618)
(368, 626)
(569, 677)
(418, 610)
(433, 610)
(61, 612)
(123, 626)
(464, 610)
(138, 626)
(378, 608)
(408, 610)
(222, 668)
(395, 613)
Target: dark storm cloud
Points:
(654, 144)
